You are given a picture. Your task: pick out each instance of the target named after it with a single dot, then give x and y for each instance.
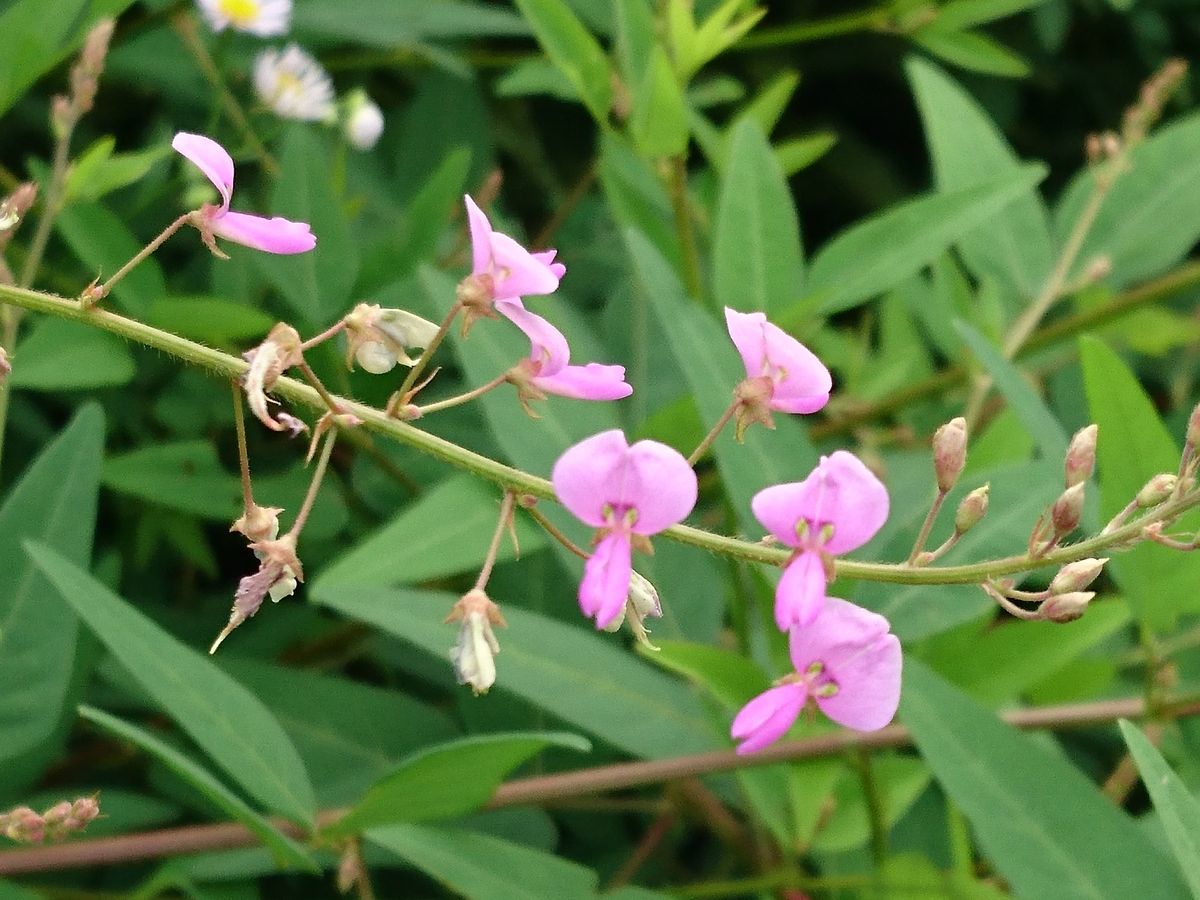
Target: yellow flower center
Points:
(240, 12)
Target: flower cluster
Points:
(26, 826)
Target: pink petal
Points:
(549, 347)
(660, 485)
(584, 472)
(591, 382)
(802, 381)
(546, 258)
(481, 238)
(605, 585)
(780, 508)
(836, 634)
(800, 594)
(746, 331)
(210, 158)
(854, 501)
(515, 271)
(277, 235)
(767, 717)
(868, 686)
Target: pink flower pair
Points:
(503, 272)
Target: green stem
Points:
(239, 422)
(707, 442)
(423, 360)
(875, 810)
(683, 226)
(502, 523)
(874, 19)
(100, 292)
(460, 399)
(315, 485)
(228, 366)
(927, 526)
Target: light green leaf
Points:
(1151, 218)
(971, 50)
(573, 49)
(730, 677)
(58, 355)
(1027, 803)
(287, 852)
(872, 256)
(659, 121)
(385, 23)
(584, 678)
(449, 780)
(315, 284)
(98, 171)
(1134, 446)
(900, 780)
(1177, 809)
(54, 501)
(103, 243)
(634, 39)
(1012, 246)
(757, 258)
(800, 153)
(479, 865)
(446, 531)
(228, 722)
(210, 320)
(1041, 424)
(959, 14)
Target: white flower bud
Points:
(1077, 575)
(1157, 490)
(950, 452)
(1066, 607)
(362, 121)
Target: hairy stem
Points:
(555, 532)
(503, 521)
(315, 485)
(92, 295)
(927, 526)
(239, 422)
(423, 360)
(466, 397)
(709, 438)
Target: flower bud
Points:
(1068, 509)
(84, 810)
(973, 507)
(950, 452)
(1193, 427)
(1066, 607)
(1077, 575)
(474, 653)
(362, 121)
(1081, 456)
(1157, 490)
(258, 523)
(5, 365)
(268, 361)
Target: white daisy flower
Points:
(294, 85)
(264, 18)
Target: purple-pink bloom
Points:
(547, 369)
(847, 661)
(836, 509)
(794, 380)
(629, 492)
(502, 267)
(276, 235)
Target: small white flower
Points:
(474, 653)
(381, 338)
(294, 85)
(265, 18)
(363, 120)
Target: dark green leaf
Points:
(385, 23)
(971, 50)
(576, 53)
(659, 121)
(58, 355)
(104, 243)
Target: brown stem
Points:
(707, 442)
(583, 782)
(553, 530)
(314, 485)
(95, 294)
(325, 335)
(502, 524)
(460, 399)
(423, 360)
(239, 423)
(650, 841)
(927, 526)
(311, 377)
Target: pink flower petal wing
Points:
(591, 382)
(605, 585)
(546, 258)
(277, 235)
(661, 485)
(856, 505)
(549, 346)
(746, 332)
(767, 717)
(868, 686)
(840, 630)
(516, 272)
(481, 238)
(584, 475)
(780, 508)
(802, 381)
(210, 158)
(800, 594)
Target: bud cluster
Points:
(25, 826)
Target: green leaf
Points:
(479, 865)
(449, 780)
(659, 120)
(54, 502)
(572, 48)
(967, 13)
(228, 722)
(1028, 804)
(446, 531)
(1133, 447)
(35, 37)
(1177, 809)
(584, 678)
(58, 355)
(103, 243)
(1151, 218)
(1012, 246)
(971, 50)
(316, 284)
(286, 851)
(1041, 424)
(385, 23)
(712, 369)
(634, 39)
(872, 256)
(757, 257)
(800, 153)
(210, 320)
(900, 781)
(98, 171)
(730, 677)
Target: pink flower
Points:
(277, 235)
(505, 268)
(781, 373)
(547, 369)
(627, 492)
(836, 509)
(847, 661)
